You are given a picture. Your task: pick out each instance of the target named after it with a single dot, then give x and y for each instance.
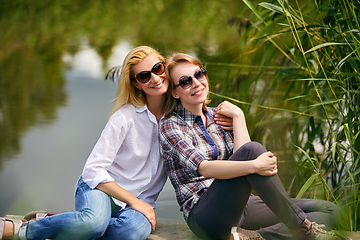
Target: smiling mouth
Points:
(198, 92)
(159, 85)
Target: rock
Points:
(172, 231)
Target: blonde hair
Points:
(170, 62)
(126, 92)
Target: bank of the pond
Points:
(164, 230)
(172, 231)
(180, 231)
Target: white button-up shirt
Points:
(127, 152)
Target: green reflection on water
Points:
(36, 34)
(31, 90)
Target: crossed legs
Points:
(96, 217)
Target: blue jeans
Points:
(96, 217)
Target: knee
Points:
(326, 212)
(130, 225)
(142, 231)
(139, 226)
(327, 207)
(93, 224)
(255, 147)
(333, 211)
(249, 151)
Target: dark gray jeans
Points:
(272, 213)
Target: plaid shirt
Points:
(184, 144)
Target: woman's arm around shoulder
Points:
(241, 133)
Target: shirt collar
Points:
(188, 116)
(150, 115)
(142, 109)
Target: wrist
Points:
(254, 168)
(238, 114)
(132, 201)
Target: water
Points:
(52, 156)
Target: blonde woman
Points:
(115, 195)
(213, 171)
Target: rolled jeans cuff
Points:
(22, 232)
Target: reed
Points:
(304, 73)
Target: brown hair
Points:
(170, 62)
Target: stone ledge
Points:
(163, 231)
(180, 231)
(172, 231)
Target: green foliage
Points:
(306, 60)
(37, 34)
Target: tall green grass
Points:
(303, 71)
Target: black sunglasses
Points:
(186, 82)
(144, 76)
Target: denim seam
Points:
(118, 221)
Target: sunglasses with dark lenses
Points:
(144, 76)
(186, 82)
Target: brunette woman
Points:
(213, 171)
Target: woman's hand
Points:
(266, 164)
(229, 110)
(145, 209)
(240, 131)
(225, 113)
(225, 122)
(114, 190)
